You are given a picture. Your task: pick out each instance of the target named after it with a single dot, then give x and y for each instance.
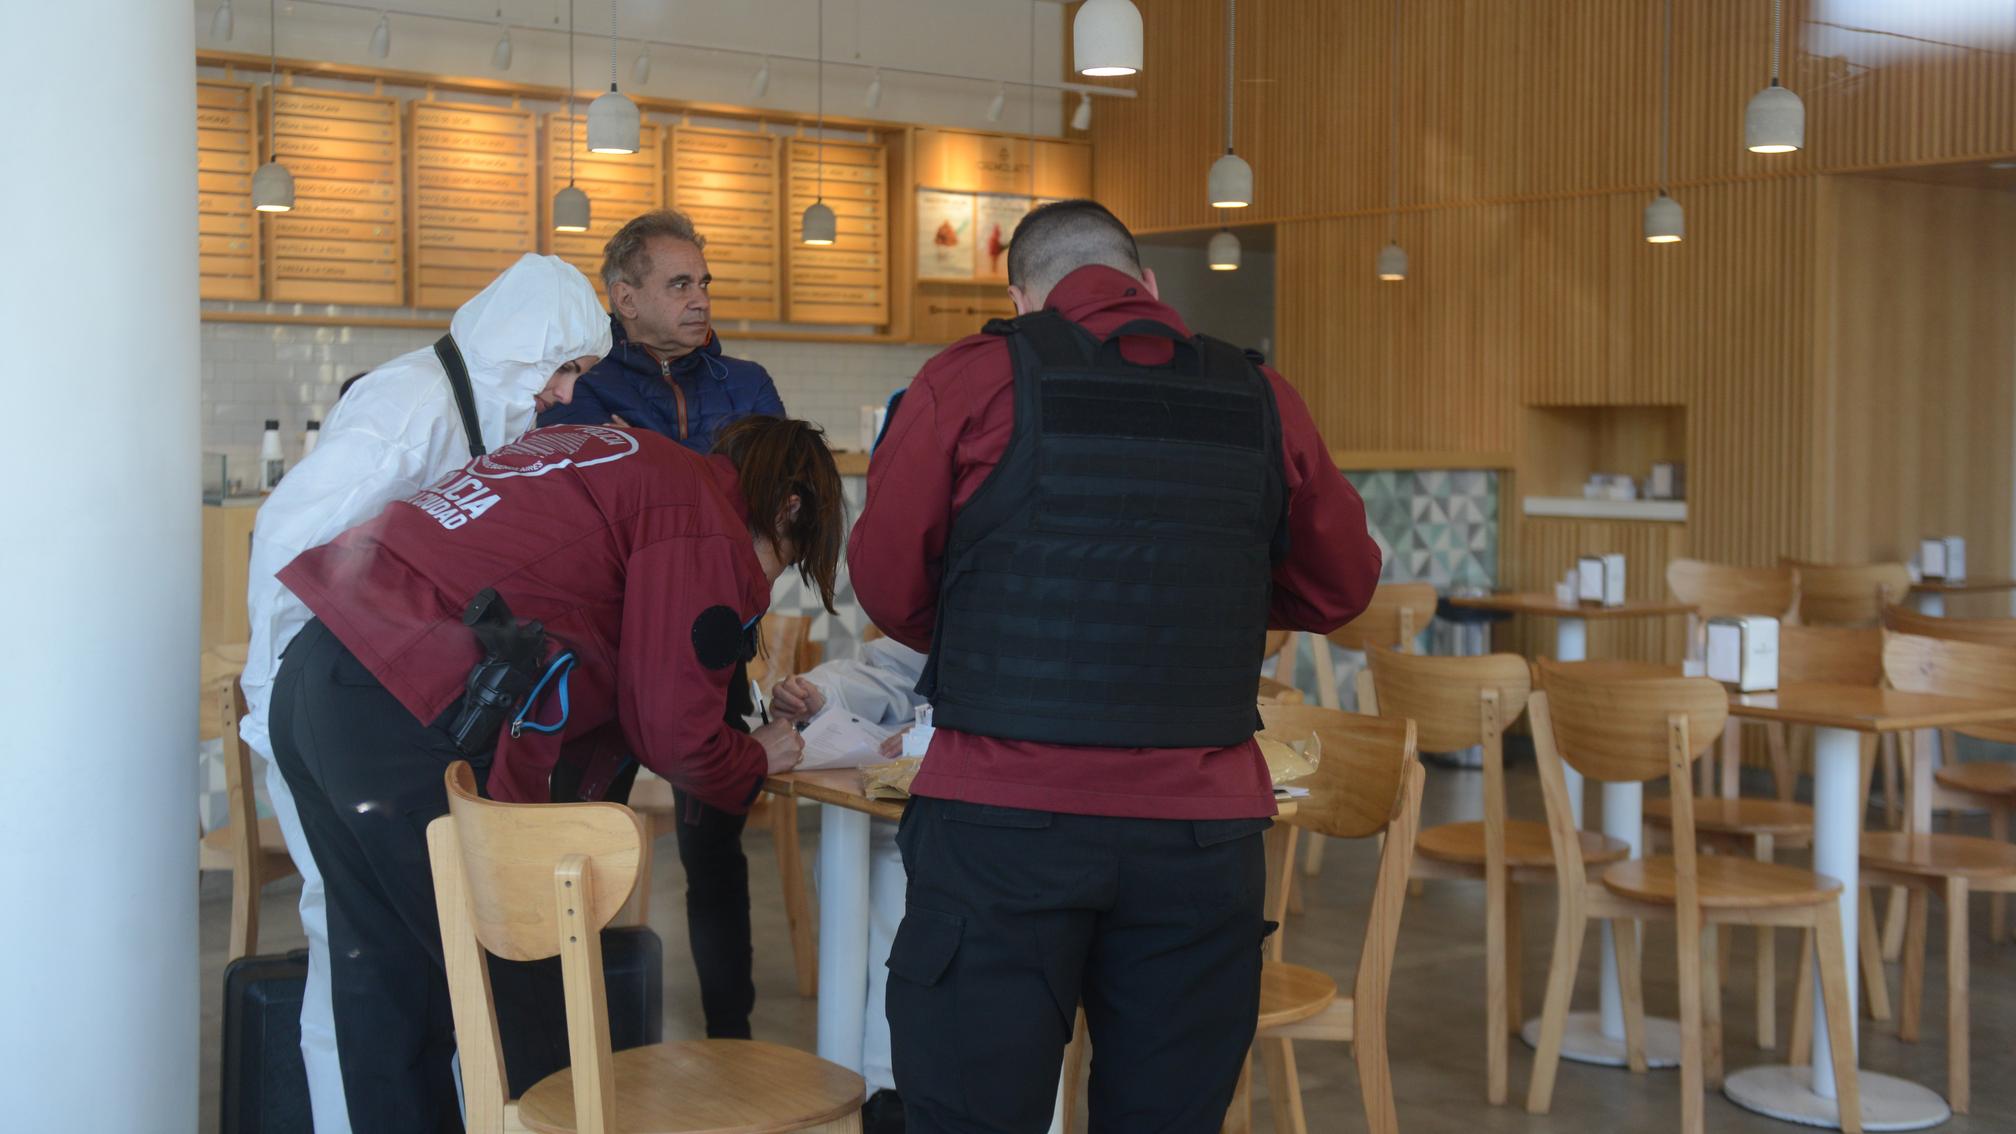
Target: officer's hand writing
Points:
(796, 699)
(782, 746)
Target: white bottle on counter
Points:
(309, 436)
(272, 462)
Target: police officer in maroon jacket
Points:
(646, 566)
(1090, 517)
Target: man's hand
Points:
(782, 746)
(796, 699)
(892, 747)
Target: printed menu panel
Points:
(726, 181)
(944, 235)
(342, 243)
(227, 235)
(619, 186)
(847, 281)
(474, 180)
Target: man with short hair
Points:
(1090, 518)
(666, 371)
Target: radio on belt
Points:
(1743, 652)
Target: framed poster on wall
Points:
(995, 218)
(944, 235)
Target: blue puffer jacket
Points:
(629, 382)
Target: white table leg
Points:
(1571, 643)
(1930, 603)
(843, 933)
(1806, 1094)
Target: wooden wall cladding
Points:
(847, 282)
(474, 180)
(342, 243)
(728, 182)
(227, 239)
(619, 186)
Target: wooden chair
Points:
(1625, 730)
(1718, 590)
(1838, 595)
(1455, 703)
(1368, 783)
(249, 847)
(787, 650)
(1950, 866)
(527, 881)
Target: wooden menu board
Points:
(619, 186)
(472, 212)
(227, 237)
(848, 281)
(342, 242)
(726, 181)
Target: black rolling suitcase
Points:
(265, 1087)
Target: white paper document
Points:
(838, 739)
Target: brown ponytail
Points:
(777, 457)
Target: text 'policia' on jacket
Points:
(1109, 583)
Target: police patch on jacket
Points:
(719, 639)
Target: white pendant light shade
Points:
(1081, 118)
(500, 56)
(1000, 104)
(820, 227)
(613, 123)
(1775, 121)
(1664, 222)
(221, 23)
(273, 188)
(570, 210)
(1230, 183)
(1106, 38)
(1223, 251)
(761, 83)
(381, 36)
(1392, 264)
(640, 71)
(874, 96)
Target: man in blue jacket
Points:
(666, 372)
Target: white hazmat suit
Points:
(394, 433)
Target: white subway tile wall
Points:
(253, 372)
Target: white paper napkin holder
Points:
(1743, 652)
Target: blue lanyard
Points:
(562, 665)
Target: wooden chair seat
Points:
(1526, 844)
(1980, 776)
(1290, 994)
(744, 1086)
(1738, 816)
(1727, 882)
(1941, 856)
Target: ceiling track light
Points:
(272, 183)
(999, 106)
(1392, 263)
(1222, 254)
(381, 36)
(819, 227)
(500, 56)
(640, 71)
(614, 123)
(1229, 184)
(570, 205)
(874, 96)
(221, 23)
(761, 83)
(1081, 118)
(1665, 223)
(1106, 38)
(1775, 120)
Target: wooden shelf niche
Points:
(847, 282)
(474, 172)
(727, 182)
(1565, 444)
(227, 236)
(342, 243)
(619, 186)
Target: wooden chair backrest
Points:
(788, 649)
(1830, 655)
(1618, 730)
(527, 881)
(1917, 664)
(1443, 695)
(243, 803)
(1982, 631)
(1357, 787)
(1718, 589)
(1397, 615)
(1274, 692)
(1835, 595)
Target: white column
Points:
(843, 933)
(98, 685)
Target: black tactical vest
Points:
(1109, 582)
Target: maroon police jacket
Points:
(949, 433)
(632, 550)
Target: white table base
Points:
(1786, 1093)
(1583, 1041)
(1932, 604)
(843, 934)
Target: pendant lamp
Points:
(613, 121)
(1223, 251)
(1392, 263)
(272, 184)
(1230, 182)
(819, 226)
(1664, 221)
(570, 205)
(1106, 38)
(1775, 120)
(381, 36)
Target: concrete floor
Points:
(1437, 1002)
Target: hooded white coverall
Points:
(394, 433)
